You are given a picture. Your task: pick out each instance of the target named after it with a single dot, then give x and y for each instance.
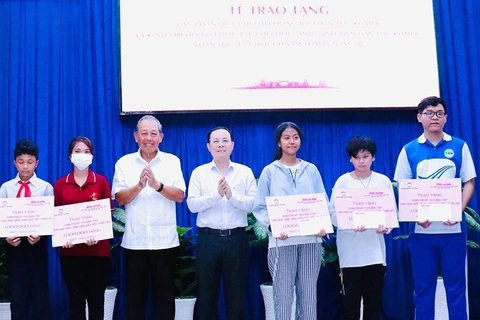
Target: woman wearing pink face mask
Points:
(84, 266)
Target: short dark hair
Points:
(359, 143)
(431, 101)
(219, 128)
(278, 135)
(25, 146)
(78, 139)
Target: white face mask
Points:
(81, 160)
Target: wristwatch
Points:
(160, 188)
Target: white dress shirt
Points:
(215, 211)
(150, 218)
(38, 187)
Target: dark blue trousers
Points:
(160, 267)
(86, 279)
(428, 253)
(221, 257)
(363, 282)
(27, 267)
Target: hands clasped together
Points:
(224, 188)
(147, 177)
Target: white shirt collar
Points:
(33, 180)
(157, 155)
(423, 139)
(214, 166)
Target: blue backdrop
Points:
(59, 78)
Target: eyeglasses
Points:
(439, 114)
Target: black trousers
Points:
(366, 282)
(160, 265)
(27, 267)
(221, 257)
(86, 280)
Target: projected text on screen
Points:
(191, 55)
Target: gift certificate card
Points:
(420, 198)
(299, 215)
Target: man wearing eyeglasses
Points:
(437, 155)
(222, 192)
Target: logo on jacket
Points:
(448, 153)
(438, 173)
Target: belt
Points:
(223, 232)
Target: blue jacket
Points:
(277, 180)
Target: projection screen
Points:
(192, 56)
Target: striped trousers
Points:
(295, 268)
